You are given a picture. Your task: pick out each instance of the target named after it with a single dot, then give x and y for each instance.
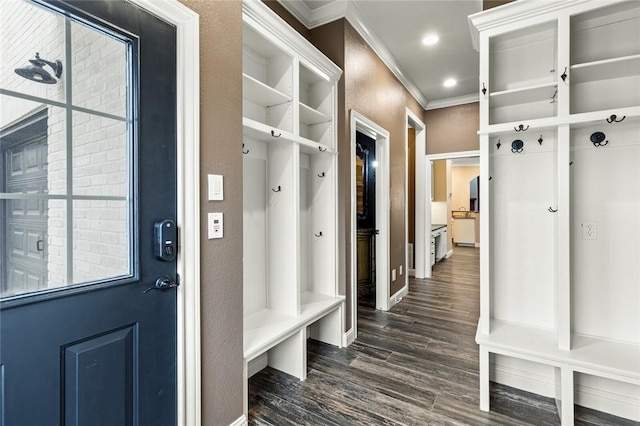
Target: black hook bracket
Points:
(321, 149)
(597, 138)
(319, 234)
(540, 140)
(517, 146)
(521, 128)
(551, 210)
(278, 189)
(245, 152)
(321, 175)
(564, 75)
(274, 134)
(498, 145)
(614, 119)
(484, 90)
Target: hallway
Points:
(414, 365)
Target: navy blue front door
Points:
(90, 342)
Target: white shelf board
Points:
(265, 329)
(517, 339)
(590, 118)
(599, 357)
(509, 128)
(310, 116)
(262, 132)
(259, 93)
(626, 66)
(615, 359)
(523, 95)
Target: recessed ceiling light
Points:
(450, 82)
(430, 40)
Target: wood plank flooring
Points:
(414, 365)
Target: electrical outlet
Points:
(589, 230)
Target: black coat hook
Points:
(490, 177)
(517, 146)
(274, 134)
(540, 140)
(564, 75)
(551, 210)
(278, 189)
(498, 145)
(614, 119)
(243, 150)
(484, 90)
(597, 138)
(321, 149)
(319, 234)
(521, 128)
(553, 98)
(321, 175)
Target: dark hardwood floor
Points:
(414, 365)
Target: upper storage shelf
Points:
(605, 58)
(288, 85)
(523, 77)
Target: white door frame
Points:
(428, 163)
(381, 136)
(420, 198)
(188, 149)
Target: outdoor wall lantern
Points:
(35, 70)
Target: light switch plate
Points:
(215, 225)
(216, 188)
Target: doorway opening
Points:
(365, 175)
(374, 140)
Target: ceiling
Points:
(395, 28)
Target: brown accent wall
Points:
(453, 129)
(370, 88)
(221, 259)
(488, 4)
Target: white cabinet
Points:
(289, 195)
(560, 145)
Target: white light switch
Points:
(216, 188)
(215, 225)
(393, 275)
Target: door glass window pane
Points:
(100, 158)
(65, 153)
(99, 69)
(28, 30)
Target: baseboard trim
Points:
(617, 403)
(348, 338)
(393, 300)
(411, 272)
(523, 379)
(449, 254)
(610, 402)
(257, 364)
(240, 421)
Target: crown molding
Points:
(449, 102)
(514, 12)
(352, 13)
(355, 17)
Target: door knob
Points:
(164, 282)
